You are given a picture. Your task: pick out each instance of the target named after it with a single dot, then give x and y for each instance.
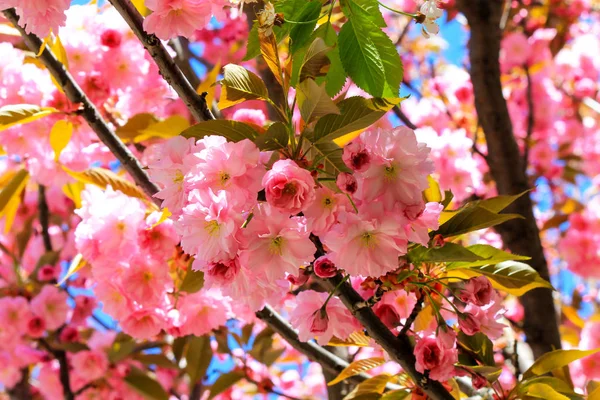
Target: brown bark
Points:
(521, 236)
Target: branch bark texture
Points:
(521, 236)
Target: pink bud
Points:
(111, 38)
(298, 280)
(479, 381)
(356, 156)
(469, 324)
(346, 182)
(324, 267)
(36, 327)
(320, 321)
(47, 273)
(69, 334)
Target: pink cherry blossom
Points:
(436, 359)
(478, 291)
(289, 187)
(341, 322)
(90, 364)
(322, 213)
(51, 305)
(274, 244)
(203, 311)
(324, 268)
(39, 17)
(144, 323)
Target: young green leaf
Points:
(234, 131)
(479, 344)
(239, 85)
(328, 153)
(489, 255)
(301, 32)
(556, 359)
(372, 388)
(275, 138)
(102, 177)
(356, 113)
(510, 276)
(370, 57)
(447, 253)
(224, 382)
(60, 136)
(366, 8)
(315, 62)
(313, 101)
(470, 219)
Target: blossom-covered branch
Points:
(195, 103)
(88, 109)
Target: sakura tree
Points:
(299, 199)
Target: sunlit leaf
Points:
(480, 345)
(164, 215)
(433, 192)
(233, 131)
(556, 359)
(103, 177)
(268, 49)
(224, 382)
(166, 129)
(193, 281)
(238, 85)
(135, 125)
(77, 263)
(373, 386)
(60, 135)
(198, 357)
(208, 84)
(10, 198)
(357, 367)
(488, 255)
(21, 114)
(275, 138)
(447, 253)
(313, 101)
(357, 338)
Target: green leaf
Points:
(198, 357)
(313, 101)
(557, 384)
(253, 46)
(336, 75)
(121, 348)
(239, 85)
(365, 8)
(16, 114)
(356, 113)
(234, 131)
(145, 385)
(447, 253)
(315, 62)
(135, 125)
(499, 203)
(275, 138)
(102, 177)
(480, 345)
(433, 192)
(160, 360)
(489, 255)
(224, 382)
(300, 33)
(179, 345)
(372, 388)
(193, 281)
(510, 276)
(76, 264)
(247, 332)
(490, 373)
(358, 367)
(328, 153)
(396, 395)
(470, 219)
(556, 359)
(544, 391)
(370, 58)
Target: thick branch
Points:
(313, 351)
(521, 236)
(89, 111)
(168, 69)
(399, 348)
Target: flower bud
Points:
(356, 156)
(111, 38)
(347, 183)
(469, 324)
(324, 268)
(479, 381)
(319, 322)
(36, 327)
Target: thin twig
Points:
(312, 350)
(65, 379)
(530, 117)
(400, 114)
(413, 316)
(271, 390)
(168, 69)
(89, 110)
(44, 217)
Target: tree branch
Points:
(399, 348)
(44, 217)
(400, 114)
(89, 111)
(530, 118)
(195, 103)
(65, 378)
(313, 351)
(521, 236)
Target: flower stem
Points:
(335, 290)
(414, 16)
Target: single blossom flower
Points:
(289, 187)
